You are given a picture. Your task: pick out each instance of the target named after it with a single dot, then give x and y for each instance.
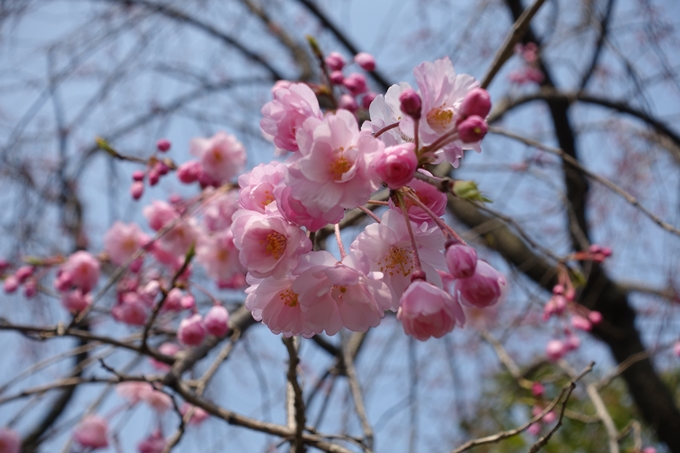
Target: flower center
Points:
(339, 167)
(397, 260)
(439, 118)
(222, 255)
(268, 198)
(217, 155)
(276, 244)
(289, 298)
(338, 292)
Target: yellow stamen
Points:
(398, 260)
(276, 244)
(289, 298)
(339, 167)
(439, 118)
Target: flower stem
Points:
(385, 129)
(414, 246)
(370, 213)
(341, 247)
(447, 230)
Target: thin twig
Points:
(299, 417)
(357, 397)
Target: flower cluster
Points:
(333, 165)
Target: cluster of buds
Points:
(530, 71)
(24, 275)
(155, 169)
(354, 86)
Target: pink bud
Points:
(676, 349)
(188, 302)
(136, 190)
(337, 77)
(472, 129)
(75, 301)
(347, 102)
(476, 102)
(154, 177)
(23, 273)
(572, 342)
(581, 323)
(410, 103)
(189, 172)
(335, 61)
(92, 432)
(461, 260)
(169, 349)
(163, 145)
(138, 175)
(155, 443)
(606, 251)
(550, 417)
(365, 60)
(136, 265)
(162, 169)
(217, 321)
(534, 429)
(537, 389)
(484, 288)
(396, 165)
(10, 442)
(3, 264)
(426, 311)
(367, 99)
(356, 83)
(649, 450)
(555, 350)
(558, 289)
(595, 317)
(534, 75)
(30, 287)
(191, 331)
(11, 284)
(173, 301)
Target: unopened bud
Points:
(347, 102)
(163, 145)
(472, 129)
(410, 103)
(137, 189)
(138, 175)
(356, 83)
(337, 77)
(365, 60)
(476, 102)
(335, 61)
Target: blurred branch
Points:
(295, 405)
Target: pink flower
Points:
(219, 256)
(555, 349)
(191, 331)
(257, 186)
(336, 294)
(173, 301)
(131, 310)
(537, 389)
(550, 417)
(158, 400)
(123, 240)
(284, 115)
(461, 260)
(428, 195)
(10, 442)
(92, 432)
(133, 391)
(159, 214)
(484, 288)
(365, 60)
(274, 302)
(75, 301)
(268, 244)
(217, 321)
(82, 270)
(336, 77)
(217, 214)
(197, 417)
(335, 61)
(169, 349)
(534, 429)
(24, 273)
(222, 157)
(595, 317)
(388, 249)
(397, 165)
(427, 311)
(333, 167)
(386, 110)
(295, 212)
(155, 443)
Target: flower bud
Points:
(189, 172)
(138, 175)
(335, 61)
(162, 168)
(163, 145)
(581, 323)
(356, 83)
(217, 321)
(461, 260)
(397, 165)
(191, 331)
(537, 389)
(365, 60)
(136, 190)
(472, 129)
(10, 442)
(155, 443)
(555, 350)
(11, 284)
(337, 77)
(676, 349)
(427, 311)
(595, 317)
(410, 103)
(367, 99)
(476, 102)
(549, 417)
(23, 273)
(92, 432)
(347, 102)
(154, 177)
(30, 288)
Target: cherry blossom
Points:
(92, 432)
(222, 157)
